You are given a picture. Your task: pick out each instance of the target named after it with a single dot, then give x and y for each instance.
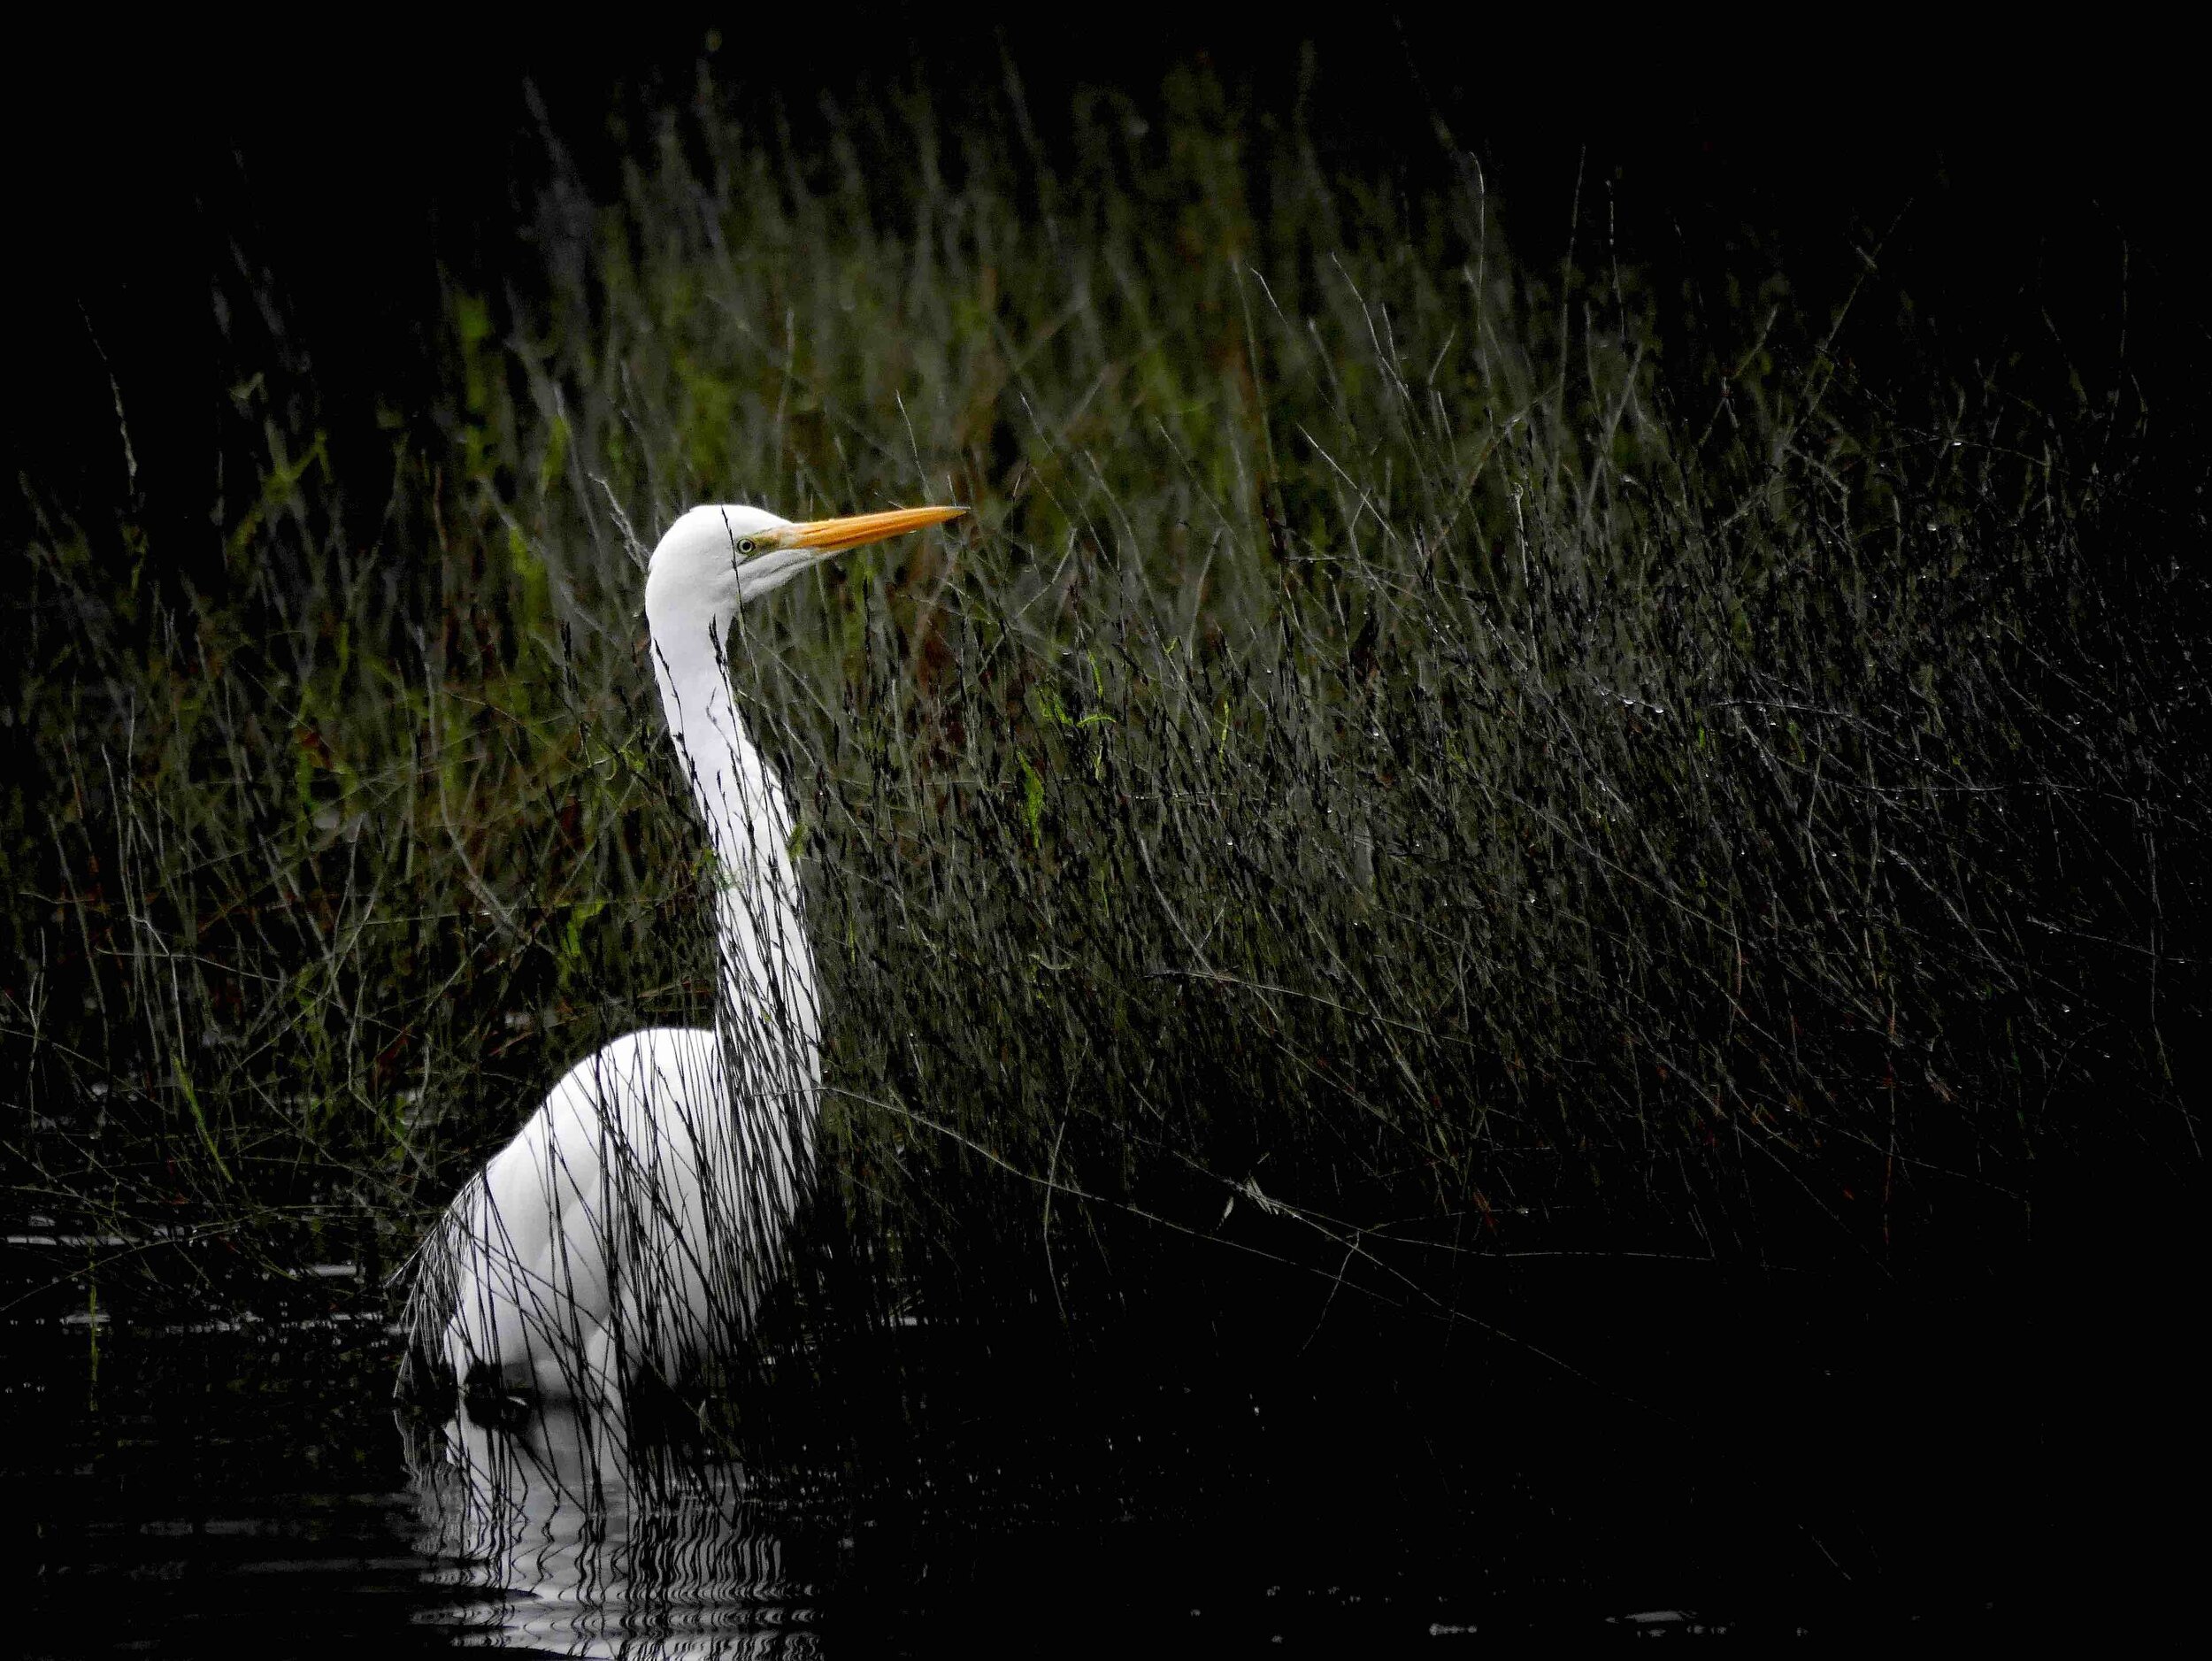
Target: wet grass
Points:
(1416, 758)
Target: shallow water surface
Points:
(230, 1478)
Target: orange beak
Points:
(835, 536)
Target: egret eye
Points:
(745, 546)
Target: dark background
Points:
(335, 171)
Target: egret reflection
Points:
(567, 1544)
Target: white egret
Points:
(628, 1230)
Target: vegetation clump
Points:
(1416, 757)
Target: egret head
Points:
(717, 559)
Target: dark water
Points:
(217, 1482)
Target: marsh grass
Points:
(1415, 759)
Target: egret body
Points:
(630, 1227)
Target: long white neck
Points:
(770, 1018)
